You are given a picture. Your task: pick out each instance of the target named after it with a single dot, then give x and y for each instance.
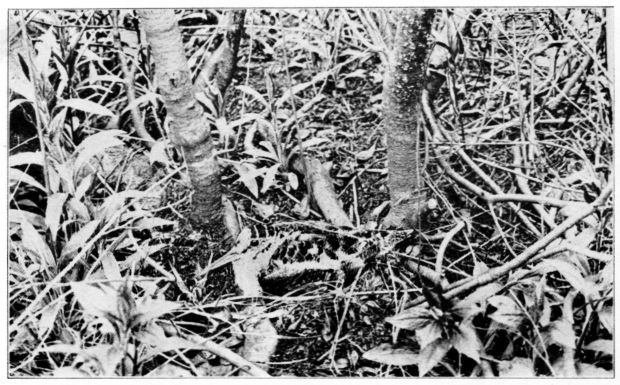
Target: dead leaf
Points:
(389, 355)
(366, 154)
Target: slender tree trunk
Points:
(189, 127)
(402, 88)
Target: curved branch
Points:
(437, 130)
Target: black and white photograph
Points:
(317, 192)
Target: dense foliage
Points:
(510, 274)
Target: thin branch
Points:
(523, 185)
(128, 81)
(528, 255)
(229, 356)
(531, 252)
(428, 112)
(444, 245)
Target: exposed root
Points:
(322, 191)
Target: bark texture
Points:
(189, 127)
(402, 88)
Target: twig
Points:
(438, 130)
(522, 183)
(528, 255)
(496, 198)
(444, 245)
(428, 274)
(229, 356)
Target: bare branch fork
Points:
(529, 254)
(533, 251)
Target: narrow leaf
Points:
(388, 355)
(603, 346)
(53, 211)
(80, 238)
(97, 301)
(95, 144)
(86, 106)
(35, 243)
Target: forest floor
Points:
(310, 82)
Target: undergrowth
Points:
(104, 272)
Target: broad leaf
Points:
(411, 319)
(428, 333)
(107, 357)
(432, 355)
(158, 152)
(110, 266)
(466, 341)
(152, 222)
(471, 305)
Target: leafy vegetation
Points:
(509, 273)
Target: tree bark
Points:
(189, 127)
(402, 88)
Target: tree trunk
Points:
(189, 127)
(402, 88)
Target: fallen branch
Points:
(428, 274)
(529, 254)
(322, 190)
